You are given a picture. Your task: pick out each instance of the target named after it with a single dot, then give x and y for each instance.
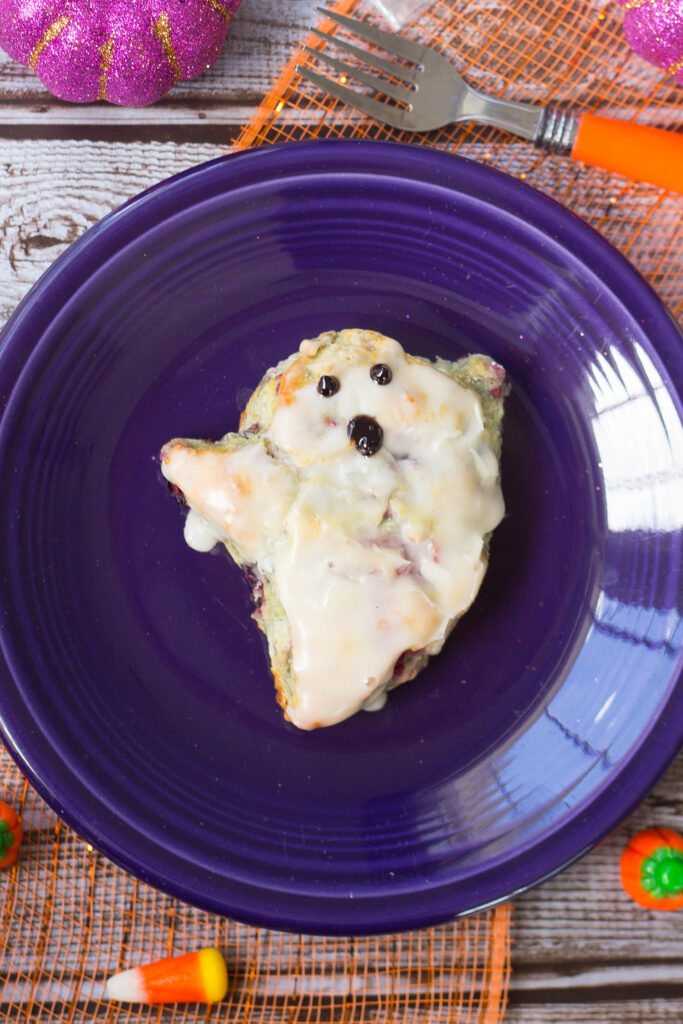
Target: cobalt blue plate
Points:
(135, 692)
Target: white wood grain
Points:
(640, 1011)
(50, 193)
(50, 114)
(624, 976)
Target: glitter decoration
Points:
(115, 50)
(654, 30)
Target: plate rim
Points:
(641, 294)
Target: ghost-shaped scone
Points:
(359, 495)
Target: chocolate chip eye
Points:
(381, 374)
(328, 386)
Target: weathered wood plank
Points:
(50, 193)
(652, 1011)
(584, 953)
(625, 980)
(180, 126)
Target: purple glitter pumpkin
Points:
(654, 30)
(126, 52)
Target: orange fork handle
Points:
(634, 150)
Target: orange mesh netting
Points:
(571, 53)
(69, 918)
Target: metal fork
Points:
(428, 92)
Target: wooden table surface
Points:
(583, 952)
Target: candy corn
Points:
(200, 977)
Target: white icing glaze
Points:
(376, 702)
(371, 556)
(240, 496)
(199, 534)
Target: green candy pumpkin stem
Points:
(662, 873)
(6, 838)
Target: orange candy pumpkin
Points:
(652, 869)
(11, 834)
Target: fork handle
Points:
(637, 151)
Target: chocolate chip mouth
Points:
(366, 433)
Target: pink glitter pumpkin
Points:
(654, 30)
(126, 51)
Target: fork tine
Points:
(380, 63)
(366, 105)
(378, 36)
(396, 92)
